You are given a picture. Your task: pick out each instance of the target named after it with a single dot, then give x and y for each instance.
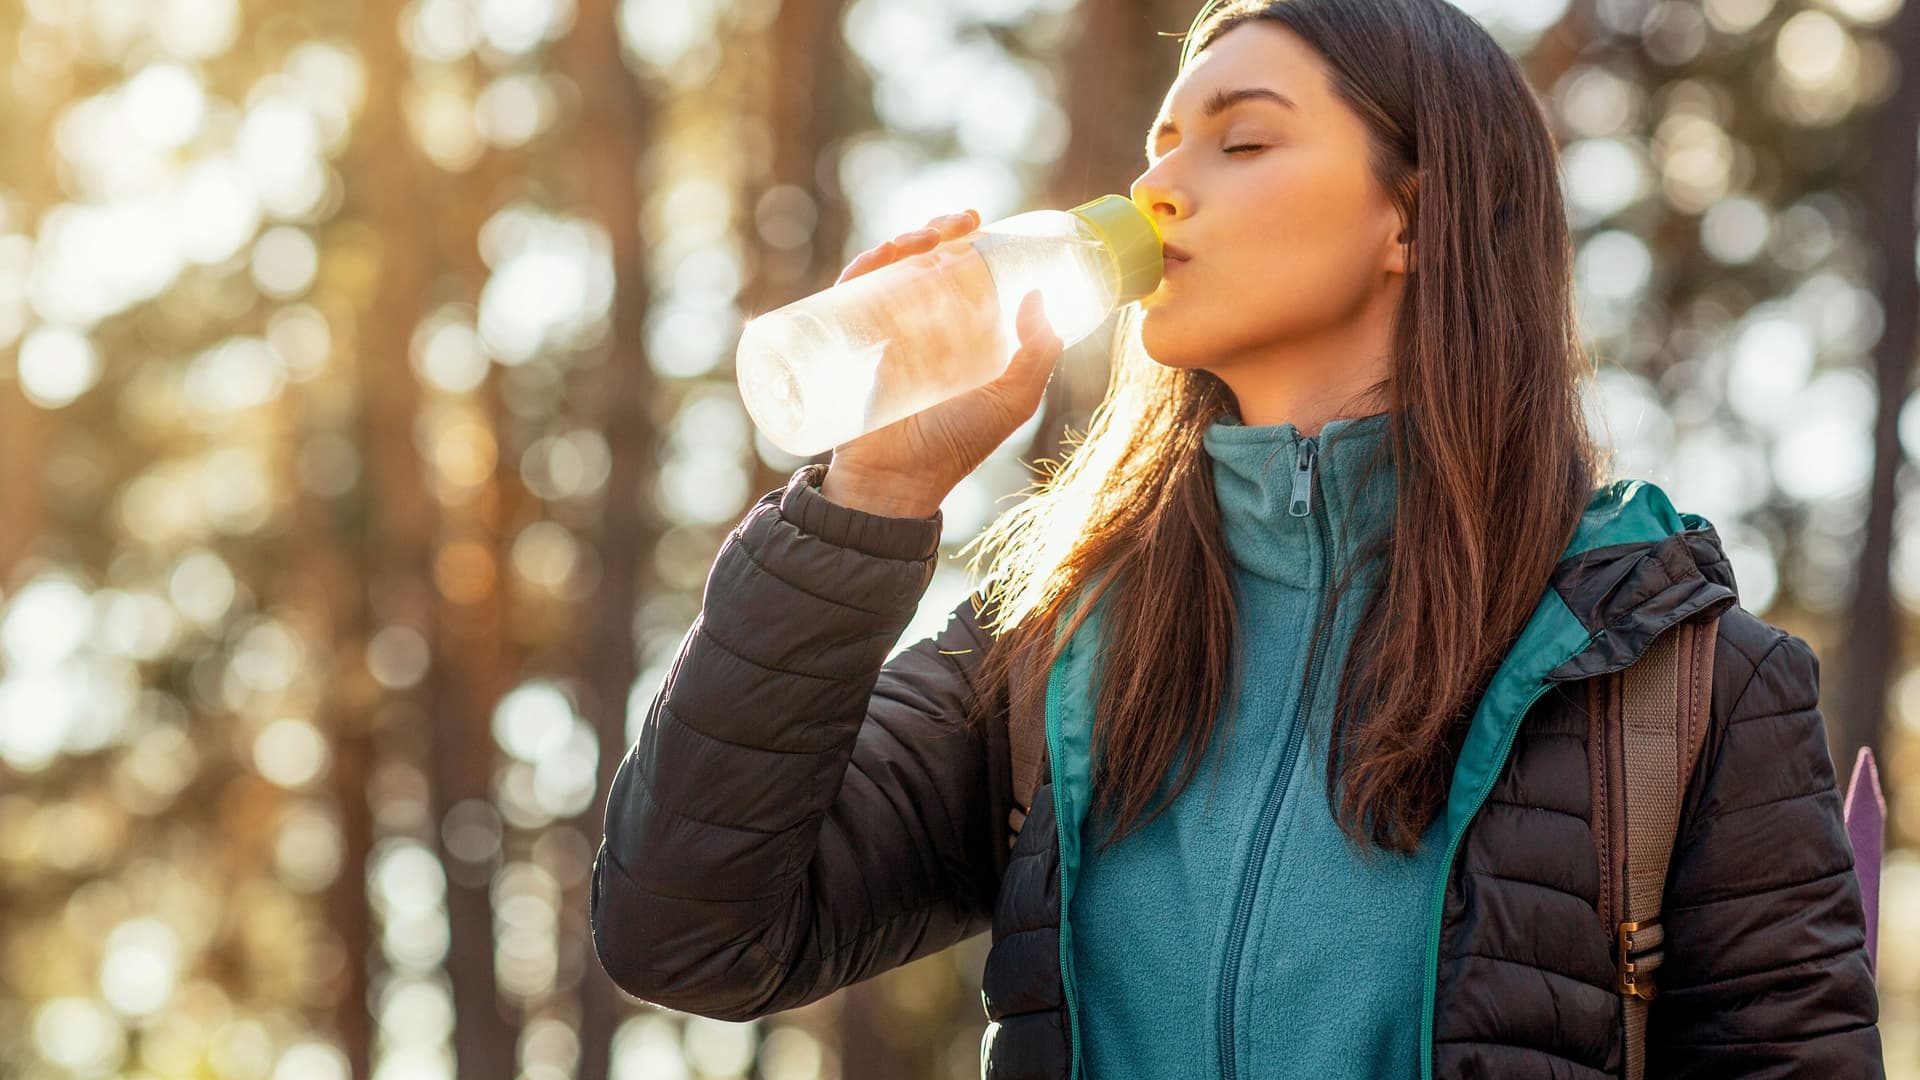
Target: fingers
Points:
(950, 225)
(917, 241)
(937, 231)
(1040, 347)
(961, 223)
(1036, 330)
(926, 238)
(871, 259)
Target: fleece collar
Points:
(1291, 502)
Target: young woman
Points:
(1337, 532)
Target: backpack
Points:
(1866, 817)
(1648, 722)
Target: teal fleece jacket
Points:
(1240, 934)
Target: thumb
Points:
(1025, 379)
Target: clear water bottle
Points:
(831, 367)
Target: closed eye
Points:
(1243, 149)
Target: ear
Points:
(1399, 253)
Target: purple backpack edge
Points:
(1866, 820)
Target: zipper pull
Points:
(1303, 480)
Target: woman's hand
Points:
(907, 468)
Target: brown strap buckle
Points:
(1016, 820)
(1640, 953)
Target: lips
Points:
(1171, 252)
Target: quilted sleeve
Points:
(1766, 972)
(796, 815)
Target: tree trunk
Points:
(25, 428)
(22, 519)
(812, 97)
(394, 200)
(615, 125)
(347, 909)
(1869, 653)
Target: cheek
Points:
(1299, 259)
(1305, 278)
(1308, 258)
(1311, 235)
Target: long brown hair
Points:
(1493, 460)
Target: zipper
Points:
(1302, 503)
(1301, 506)
(1067, 992)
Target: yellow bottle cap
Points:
(1133, 239)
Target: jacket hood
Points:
(1634, 567)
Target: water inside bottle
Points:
(897, 340)
(1076, 278)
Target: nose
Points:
(1156, 199)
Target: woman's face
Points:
(1292, 241)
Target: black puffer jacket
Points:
(801, 813)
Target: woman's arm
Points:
(794, 816)
(1766, 971)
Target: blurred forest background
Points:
(367, 429)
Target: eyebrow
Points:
(1220, 101)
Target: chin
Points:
(1172, 346)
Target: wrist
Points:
(879, 493)
(806, 508)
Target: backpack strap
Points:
(1027, 740)
(1645, 734)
